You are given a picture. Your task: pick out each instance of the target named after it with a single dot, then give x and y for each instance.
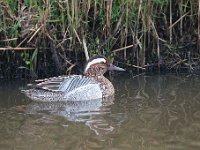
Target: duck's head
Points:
(98, 65)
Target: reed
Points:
(147, 34)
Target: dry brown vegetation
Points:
(53, 37)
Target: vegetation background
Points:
(51, 37)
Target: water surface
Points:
(150, 112)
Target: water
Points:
(149, 113)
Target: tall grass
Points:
(137, 33)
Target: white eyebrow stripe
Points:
(97, 60)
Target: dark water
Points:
(158, 112)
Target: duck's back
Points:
(66, 88)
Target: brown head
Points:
(98, 65)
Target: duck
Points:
(92, 84)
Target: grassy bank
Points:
(53, 37)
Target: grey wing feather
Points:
(75, 82)
(51, 84)
(65, 83)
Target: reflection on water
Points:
(91, 112)
(149, 112)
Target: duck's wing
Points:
(74, 87)
(76, 81)
(65, 83)
(50, 84)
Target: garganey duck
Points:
(91, 85)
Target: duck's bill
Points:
(113, 67)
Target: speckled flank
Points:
(44, 95)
